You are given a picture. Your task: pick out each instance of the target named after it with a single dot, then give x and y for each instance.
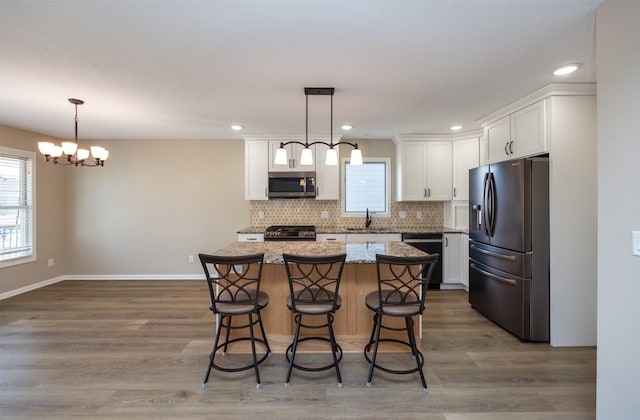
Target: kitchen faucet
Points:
(367, 220)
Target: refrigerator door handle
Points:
(493, 276)
(491, 195)
(485, 203)
(493, 254)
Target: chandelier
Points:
(306, 158)
(68, 153)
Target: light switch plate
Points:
(402, 214)
(325, 214)
(635, 234)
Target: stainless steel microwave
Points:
(292, 184)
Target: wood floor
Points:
(125, 349)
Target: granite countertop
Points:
(356, 252)
(335, 230)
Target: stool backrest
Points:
(233, 279)
(314, 280)
(403, 281)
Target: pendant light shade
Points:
(332, 157)
(306, 158)
(356, 157)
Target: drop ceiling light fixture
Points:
(73, 155)
(306, 158)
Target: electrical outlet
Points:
(325, 214)
(418, 215)
(191, 259)
(260, 215)
(636, 242)
(50, 262)
(402, 214)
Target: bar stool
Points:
(402, 287)
(313, 286)
(234, 286)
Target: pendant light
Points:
(306, 158)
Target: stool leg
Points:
(226, 340)
(253, 352)
(375, 348)
(263, 334)
(213, 352)
(414, 350)
(294, 347)
(334, 348)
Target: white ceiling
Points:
(189, 69)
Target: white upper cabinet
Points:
(520, 134)
(465, 157)
(256, 158)
(424, 171)
(327, 176)
(293, 155)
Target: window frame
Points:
(343, 190)
(27, 155)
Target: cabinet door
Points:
(464, 246)
(412, 172)
(528, 131)
(498, 136)
(327, 176)
(452, 258)
(439, 176)
(294, 152)
(256, 157)
(465, 157)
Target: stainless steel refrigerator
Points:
(509, 245)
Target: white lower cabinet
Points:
(465, 261)
(331, 237)
(452, 258)
(250, 237)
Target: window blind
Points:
(16, 204)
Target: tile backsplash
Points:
(310, 212)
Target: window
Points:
(17, 209)
(366, 186)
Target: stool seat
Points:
(313, 308)
(227, 305)
(372, 300)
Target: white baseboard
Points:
(451, 286)
(58, 279)
(31, 287)
(135, 277)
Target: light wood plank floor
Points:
(125, 349)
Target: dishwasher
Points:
(431, 243)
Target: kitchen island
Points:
(353, 321)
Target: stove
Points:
(290, 233)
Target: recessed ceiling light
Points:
(347, 127)
(564, 70)
(237, 127)
(456, 127)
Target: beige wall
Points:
(154, 203)
(51, 230)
